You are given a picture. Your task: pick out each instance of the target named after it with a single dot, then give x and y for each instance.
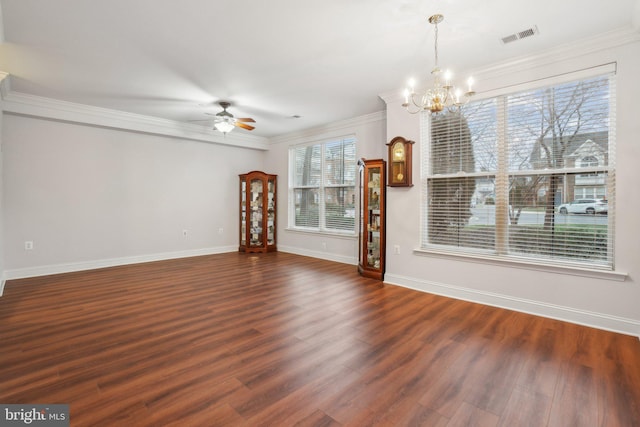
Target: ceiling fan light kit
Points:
(225, 122)
(224, 126)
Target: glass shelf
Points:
(371, 260)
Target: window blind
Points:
(462, 166)
(339, 184)
(307, 180)
(526, 175)
(322, 188)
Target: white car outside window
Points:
(584, 206)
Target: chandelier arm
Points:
(410, 111)
(411, 102)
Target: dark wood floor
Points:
(282, 340)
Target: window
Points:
(588, 161)
(322, 186)
(500, 172)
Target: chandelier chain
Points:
(436, 44)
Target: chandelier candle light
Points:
(442, 94)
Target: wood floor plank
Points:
(526, 410)
(575, 401)
(470, 416)
(280, 339)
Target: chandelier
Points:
(442, 94)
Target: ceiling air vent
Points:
(520, 35)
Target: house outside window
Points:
(498, 170)
(322, 186)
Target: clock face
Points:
(398, 151)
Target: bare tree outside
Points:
(324, 180)
(450, 198)
(501, 168)
(541, 135)
(306, 204)
(546, 130)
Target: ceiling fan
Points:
(225, 122)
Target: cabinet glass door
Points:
(256, 212)
(373, 217)
(243, 213)
(271, 212)
(371, 252)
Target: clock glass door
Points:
(398, 163)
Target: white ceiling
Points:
(322, 60)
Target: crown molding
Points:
(587, 46)
(4, 84)
(36, 106)
(330, 130)
(564, 52)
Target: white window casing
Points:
(496, 174)
(322, 186)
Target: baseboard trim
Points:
(46, 270)
(563, 313)
(317, 254)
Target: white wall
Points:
(598, 300)
(89, 196)
(370, 134)
(2, 280)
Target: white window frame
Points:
(322, 186)
(499, 257)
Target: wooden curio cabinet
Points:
(257, 212)
(371, 259)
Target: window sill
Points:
(345, 235)
(527, 265)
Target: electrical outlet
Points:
(184, 233)
(324, 246)
(396, 249)
(220, 230)
(28, 245)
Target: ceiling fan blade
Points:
(244, 126)
(246, 119)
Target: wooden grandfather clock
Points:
(399, 162)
